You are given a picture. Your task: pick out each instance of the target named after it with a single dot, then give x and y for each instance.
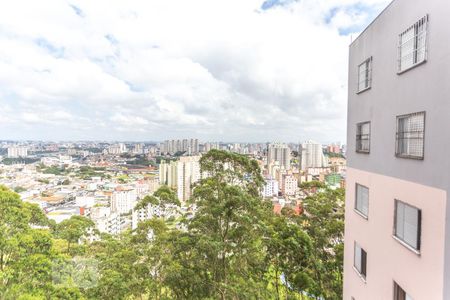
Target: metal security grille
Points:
(413, 45)
(410, 135)
(365, 75)
(363, 137)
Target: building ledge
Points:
(415, 251)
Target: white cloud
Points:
(149, 70)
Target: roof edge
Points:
(373, 21)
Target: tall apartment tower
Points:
(312, 155)
(188, 173)
(168, 173)
(280, 153)
(397, 231)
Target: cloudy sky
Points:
(228, 70)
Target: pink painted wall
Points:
(421, 276)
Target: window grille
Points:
(365, 75)
(413, 45)
(363, 137)
(410, 135)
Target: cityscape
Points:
(210, 149)
(104, 181)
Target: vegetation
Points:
(233, 247)
(19, 189)
(19, 160)
(332, 154)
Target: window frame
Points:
(397, 290)
(397, 139)
(417, 248)
(425, 19)
(369, 64)
(359, 212)
(359, 136)
(363, 272)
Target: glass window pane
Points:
(410, 226)
(357, 262)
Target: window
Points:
(365, 75)
(360, 262)
(363, 137)
(408, 224)
(410, 135)
(362, 200)
(413, 45)
(400, 294)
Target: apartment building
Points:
(397, 233)
(278, 152)
(311, 155)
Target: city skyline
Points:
(77, 73)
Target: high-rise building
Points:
(168, 173)
(17, 151)
(289, 184)
(123, 200)
(117, 149)
(189, 146)
(278, 152)
(270, 188)
(188, 173)
(397, 216)
(312, 155)
(138, 149)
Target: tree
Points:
(164, 197)
(288, 250)
(228, 226)
(26, 252)
(73, 229)
(323, 220)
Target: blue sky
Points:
(151, 70)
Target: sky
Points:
(149, 70)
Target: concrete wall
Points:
(420, 275)
(424, 88)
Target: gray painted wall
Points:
(424, 88)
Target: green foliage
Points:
(232, 247)
(324, 223)
(73, 229)
(54, 170)
(332, 154)
(42, 180)
(19, 189)
(19, 160)
(25, 249)
(163, 196)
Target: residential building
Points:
(123, 200)
(312, 155)
(168, 173)
(397, 231)
(270, 188)
(153, 211)
(17, 151)
(138, 148)
(117, 149)
(188, 173)
(189, 146)
(278, 152)
(290, 185)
